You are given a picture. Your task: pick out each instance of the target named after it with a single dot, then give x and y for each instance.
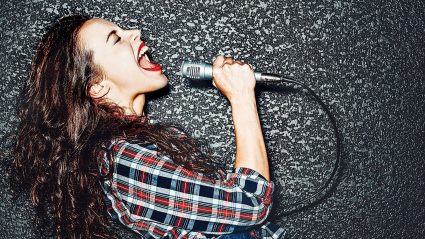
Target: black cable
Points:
(337, 163)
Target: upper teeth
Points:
(142, 51)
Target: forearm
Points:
(250, 147)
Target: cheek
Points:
(121, 66)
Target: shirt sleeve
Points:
(154, 188)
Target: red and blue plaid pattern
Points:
(157, 198)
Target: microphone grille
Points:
(193, 72)
(196, 70)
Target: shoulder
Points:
(121, 145)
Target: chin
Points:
(164, 81)
(160, 83)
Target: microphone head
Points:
(196, 70)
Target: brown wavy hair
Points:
(62, 133)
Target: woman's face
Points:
(116, 51)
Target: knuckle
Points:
(246, 66)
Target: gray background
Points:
(364, 58)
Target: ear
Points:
(98, 90)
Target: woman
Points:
(86, 147)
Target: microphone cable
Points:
(318, 191)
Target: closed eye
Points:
(119, 38)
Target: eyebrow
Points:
(112, 32)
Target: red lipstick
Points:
(153, 66)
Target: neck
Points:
(135, 106)
(132, 105)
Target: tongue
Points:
(144, 63)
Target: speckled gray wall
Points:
(366, 59)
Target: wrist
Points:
(244, 99)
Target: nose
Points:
(133, 34)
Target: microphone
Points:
(201, 71)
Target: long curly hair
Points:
(62, 132)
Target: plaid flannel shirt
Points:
(157, 198)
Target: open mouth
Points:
(144, 61)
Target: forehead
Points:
(94, 32)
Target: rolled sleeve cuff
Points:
(253, 182)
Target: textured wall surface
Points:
(365, 59)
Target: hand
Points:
(233, 78)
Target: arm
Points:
(237, 82)
(250, 147)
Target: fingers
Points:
(222, 60)
(217, 64)
(228, 60)
(222, 63)
(218, 61)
